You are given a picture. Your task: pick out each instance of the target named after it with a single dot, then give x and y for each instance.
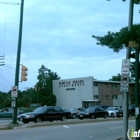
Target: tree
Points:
(45, 86)
(116, 78)
(119, 40)
(136, 1)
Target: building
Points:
(86, 91)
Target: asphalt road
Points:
(102, 130)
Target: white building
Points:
(86, 91)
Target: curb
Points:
(74, 121)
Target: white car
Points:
(112, 111)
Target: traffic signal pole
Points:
(18, 61)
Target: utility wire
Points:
(4, 87)
(5, 79)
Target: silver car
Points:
(112, 111)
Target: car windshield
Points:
(90, 109)
(72, 109)
(110, 108)
(40, 109)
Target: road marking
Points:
(65, 126)
(91, 137)
(116, 127)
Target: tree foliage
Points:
(45, 86)
(116, 78)
(136, 1)
(119, 40)
(42, 94)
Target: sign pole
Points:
(137, 90)
(124, 87)
(18, 60)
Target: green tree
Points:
(45, 86)
(136, 1)
(119, 40)
(116, 78)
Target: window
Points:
(57, 109)
(114, 97)
(95, 96)
(95, 84)
(107, 96)
(114, 85)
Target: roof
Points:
(117, 82)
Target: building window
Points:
(95, 84)
(114, 85)
(95, 96)
(114, 97)
(107, 96)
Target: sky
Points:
(58, 35)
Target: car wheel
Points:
(105, 116)
(74, 116)
(25, 121)
(81, 118)
(92, 116)
(38, 120)
(111, 115)
(63, 118)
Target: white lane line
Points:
(116, 127)
(91, 137)
(65, 126)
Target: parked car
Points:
(73, 113)
(131, 111)
(112, 111)
(93, 113)
(105, 106)
(8, 112)
(44, 113)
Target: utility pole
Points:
(18, 61)
(126, 94)
(137, 115)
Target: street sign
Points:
(13, 102)
(14, 91)
(133, 44)
(124, 86)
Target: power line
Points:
(5, 79)
(4, 87)
(10, 3)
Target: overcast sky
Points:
(58, 35)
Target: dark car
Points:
(44, 113)
(131, 111)
(93, 113)
(8, 112)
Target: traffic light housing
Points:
(24, 73)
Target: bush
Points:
(25, 109)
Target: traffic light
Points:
(24, 73)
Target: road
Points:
(107, 130)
